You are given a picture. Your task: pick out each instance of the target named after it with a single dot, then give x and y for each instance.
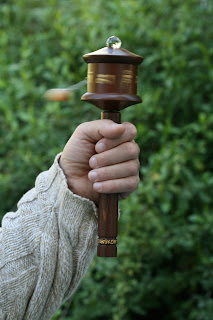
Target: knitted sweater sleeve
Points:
(46, 247)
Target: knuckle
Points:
(138, 164)
(133, 182)
(81, 127)
(132, 130)
(134, 167)
(137, 180)
(129, 148)
(132, 149)
(137, 149)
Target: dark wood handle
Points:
(108, 212)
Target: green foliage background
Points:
(164, 268)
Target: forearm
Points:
(46, 247)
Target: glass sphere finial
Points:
(113, 42)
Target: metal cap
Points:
(113, 55)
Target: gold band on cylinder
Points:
(107, 241)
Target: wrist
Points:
(78, 185)
(70, 184)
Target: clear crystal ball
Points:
(113, 42)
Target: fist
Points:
(101, 157)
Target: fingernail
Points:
(97, 186)
(93, 162)
(93, 175)
(100, 147)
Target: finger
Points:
(123, 185)
(124, 195)
(124, 152)
(117, 171)
(96, 130)
(128, 135)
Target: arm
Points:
(46, 247)
(48, 244)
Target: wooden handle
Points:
(108, 212)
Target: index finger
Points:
(99, 129)
(107, 143)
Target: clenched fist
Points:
(101, 157)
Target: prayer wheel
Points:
(111, 86)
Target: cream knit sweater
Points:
(45, 248)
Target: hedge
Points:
(164, 267)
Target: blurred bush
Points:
(164, 267)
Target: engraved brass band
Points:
(107, 241)
(119, 78)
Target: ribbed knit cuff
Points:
(76, 199)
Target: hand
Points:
(101, 157)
